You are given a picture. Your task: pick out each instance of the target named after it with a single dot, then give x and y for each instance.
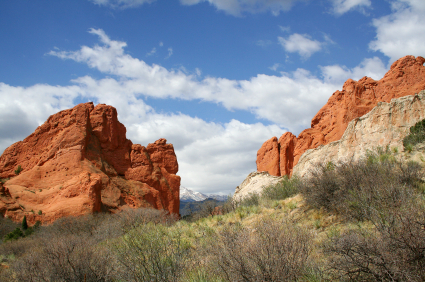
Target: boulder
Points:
(406, 77)
(80, 161)
(255, 183)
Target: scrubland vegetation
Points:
(351, 221)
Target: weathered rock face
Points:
(80, 161)
(406, 77)
(268, 157)
(385, 125)
(255, 183)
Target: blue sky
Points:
(216, 78)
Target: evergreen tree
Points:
(24, 223)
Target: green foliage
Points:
(417, 135)
(277, 251)
(18, 170)
(40, 212)
(330, 166)
(375, 185)
(26, 231)
(252, 199)
(392, 251)
(3, 180)
(282, 190)
(24, 223)
(37, 225)
(153, 253)
(14, 235)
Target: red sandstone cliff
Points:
(406, 77)
(80, 161)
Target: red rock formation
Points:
(268, 157)
(80, 161)
(406, 77)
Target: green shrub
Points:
(417, 134)
(393, 251)
(252, 199)
(281, 190)
(276, 251)
(408, 147)
(357, 190)
(18, 170)
(24, 223)
(14, 235)
(152, 253)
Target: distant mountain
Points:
(190, 201)
(187, 195)
(220, 198)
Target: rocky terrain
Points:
(385, 125)
(255, 183)
(406, 77)
(80, 161)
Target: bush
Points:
(14, 235)
(65, 258)
(392, 251)
(273, 251)
(252, 199)
(18, 170)
(76, 248)
(6, 226)
(151, 253)
(281, 190)
(417, 135)
(376, 184)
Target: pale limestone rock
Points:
(385, 125)
(255, 183)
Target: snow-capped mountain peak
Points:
(189, 195)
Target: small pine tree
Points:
(24, 223)
(18, 170)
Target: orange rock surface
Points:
(405, 77)
(80, 161)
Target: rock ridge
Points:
(405, 77)
(385, 125)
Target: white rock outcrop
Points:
(385, 125)
(255, 183)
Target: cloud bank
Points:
(212, 156)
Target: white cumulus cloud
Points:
(337, 74)
(240, 7)
(122, 4)
(343, 6)
(402, 32)
(301, 44)
(288, 91)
